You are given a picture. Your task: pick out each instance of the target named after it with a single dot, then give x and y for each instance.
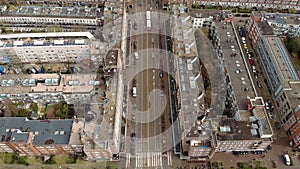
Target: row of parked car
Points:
(242, 33)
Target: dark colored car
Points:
(269, 147)
(277, 125)
(135, 26)
(133, 136)
(161, 74)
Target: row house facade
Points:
(283, 4)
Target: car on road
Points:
(135, 26)
(258, 84)
(287, 159)
(133, 136)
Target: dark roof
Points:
(15, 129)
(240, 130)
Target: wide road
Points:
(145, 142)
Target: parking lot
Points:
(236, 69)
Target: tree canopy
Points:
(293, 45)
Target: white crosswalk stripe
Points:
(148, 159)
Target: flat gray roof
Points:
(15, 129)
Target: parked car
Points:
(267, 105)
(161, 74)
(256, 76)
(258, 84)
(277, 125)
(269, 147)
(247, 50)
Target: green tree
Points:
(293, 45)
(292, 10)
(61, 110)
(23, 113)
(34, 107)
(196, 5)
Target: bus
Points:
(134, 91)
(148, 15)
(287, 159)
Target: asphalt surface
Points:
(144, 141)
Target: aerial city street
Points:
(158, 84)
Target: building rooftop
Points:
(16, 129)
(282, 18)
(47, 35)
(254, 124)
(281, 59)
(36, 11)
(39, 83)
(265, 28)
(230, 129)
(204, 13)
(259, 113)
(185, 39)
(191, 92)
(256, 14)
(59, 39)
